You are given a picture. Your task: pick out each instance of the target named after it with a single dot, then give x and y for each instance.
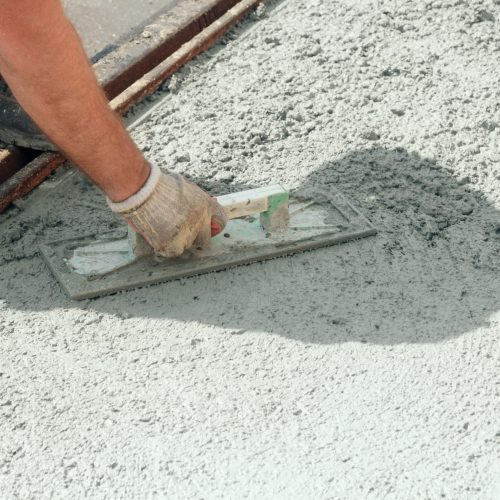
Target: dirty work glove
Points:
(171, 213)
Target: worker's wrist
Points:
(121, 183)
(139, 197)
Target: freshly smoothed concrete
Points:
(366, 370)
(102, 23)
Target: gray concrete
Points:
(367, 370)
(103, 22)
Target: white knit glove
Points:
(172, 214)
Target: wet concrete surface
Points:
(369, 370)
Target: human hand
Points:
(172, 214)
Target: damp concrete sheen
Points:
(366, 370)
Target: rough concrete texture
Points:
(367, 370)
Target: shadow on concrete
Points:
(430, 274)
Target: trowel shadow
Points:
(431, 273)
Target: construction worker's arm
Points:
(43, 62)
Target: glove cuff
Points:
(137, 199)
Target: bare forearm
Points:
(42, 60)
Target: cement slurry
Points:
(368, 370)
